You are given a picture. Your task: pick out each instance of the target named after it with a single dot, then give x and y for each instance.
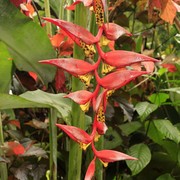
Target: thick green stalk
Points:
(53, 143)
(3, 167)
(75, 153)
(61, 9)
(48, 14)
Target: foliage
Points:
(123, 79)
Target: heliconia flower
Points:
(107, 156)
(99, 104)
(77, 134)
(78, 34)
(91, 169)
(118, 79)
(83, 97)
(76, 67)
(121, 58)
(114, 31)
(99, 8)
(101, 127)
(86, 3)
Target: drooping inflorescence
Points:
(118, 76)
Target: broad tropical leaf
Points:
(27, 41)
(143, 154)
(6, 69)
(144, 109)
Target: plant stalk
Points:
(75, 153)
(53, 143)
(3, 166)
(48, 14)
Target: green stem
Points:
(75, 153)
(53, 143)
(3, 167)
(99, 166)
(48, 14)
(61, 9)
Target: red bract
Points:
(107, 156)
(114, 31)
(77, 135)
(121, 58)
(86, 3)
(73, 66)
(90, 171)
(77, 33)
(76, 67)
(118, 78)
(81, 97)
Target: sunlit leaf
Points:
(144, 109)
(37, 99)
(143, 154)
(130, 127)
(158, 98)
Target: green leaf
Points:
(63, 105)
(168, 130)
(176, 90)
(26, 40)
(130, 127)
(112, 138)
(163, 129)
(165, 177)
(55, 5)
(158, 98)
(35, 99)
(144, 109)
(5, 69)
(143, 154)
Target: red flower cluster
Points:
(119, 68)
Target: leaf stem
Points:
(75, 153)
(48, 14)
(53, 143)
(3, 167)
